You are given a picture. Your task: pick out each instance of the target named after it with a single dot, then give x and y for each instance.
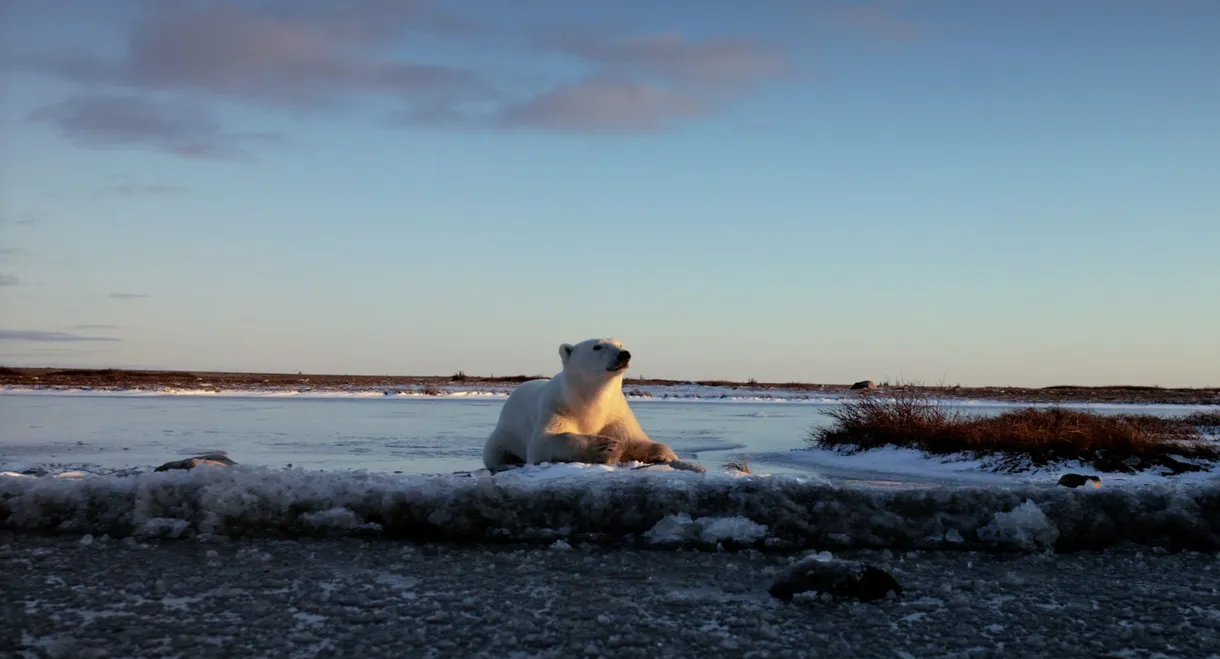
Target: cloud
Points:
(284, 54)
(646, 83)
(128, 296)
(319, 55)
(23, 219)
(721, 62)
(104, 121)
(603, 103)
(95, 326)
(9, 280)
(147, 189)
(10, 251)
(49, 337)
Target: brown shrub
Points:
(1208, 420)
(909, 418)
(741, 463)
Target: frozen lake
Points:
(412, 435)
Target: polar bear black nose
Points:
(624, 357)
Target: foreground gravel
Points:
(87, 597)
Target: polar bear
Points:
(580, 415)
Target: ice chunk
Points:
(1025, 527)
(603, 506)
(741, 530)
(681, 528)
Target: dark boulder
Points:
(1076, 480)
(841, 579)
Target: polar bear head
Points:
(595, 359)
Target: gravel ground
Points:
(87, 597)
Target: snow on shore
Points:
(690, 393)
(612, 507)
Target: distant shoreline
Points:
(104, 379)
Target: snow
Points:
(1025, 526)
(583, 504)
(894, 464)
(681, 529)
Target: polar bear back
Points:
(518, 418)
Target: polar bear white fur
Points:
(580, 415)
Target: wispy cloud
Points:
(645, 82)
(95, 326)
(21, 219)
(9, 280)
(6, 252)
(710, 63)
(43, 336)
(284, 54)
(128, 296)
(321, 55)
(104, 120)
(134, 189)
(603, 103)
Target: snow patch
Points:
(893, 463)
(1025, 527)
(682, 529)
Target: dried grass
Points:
(910, 418)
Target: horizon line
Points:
(461, 375)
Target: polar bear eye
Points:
(597, 347)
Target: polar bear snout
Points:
(621, 361)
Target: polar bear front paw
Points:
(659, 452)
(649, 452)
(605, 450)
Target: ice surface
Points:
(132, 432)
(612, 507)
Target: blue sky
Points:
(984, 193)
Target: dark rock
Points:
(864, 384)
(1076, 480)
(839, 578)
(218, 459)
(1133, 464)
(1176, 466)
(1112, 465)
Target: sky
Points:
(974, 193)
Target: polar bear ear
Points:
(565, 351)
